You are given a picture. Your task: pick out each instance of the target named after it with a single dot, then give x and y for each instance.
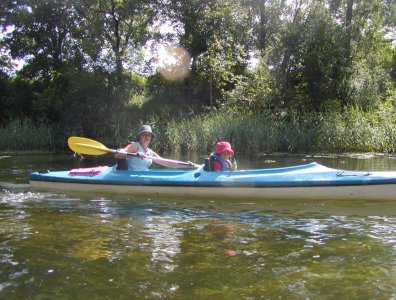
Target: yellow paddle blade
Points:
(87, 146)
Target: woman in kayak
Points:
(140, 162)
(220, 160)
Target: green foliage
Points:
(371, 79)
(4, 80)
(24, 134)
(18, 98)
(254, 91)
(45, 37)
(353, 130)
(319, 62)
(118, 28)
(216, 37)
(310, 73)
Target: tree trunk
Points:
(348, 30)
(263, 26)
(289, 44)
(117, 43)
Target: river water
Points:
(70, 246)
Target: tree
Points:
(216, 34)
(331, 51)
(266, 18)
(44, 36)
(316, 73)
(61, 40)
(120, 27)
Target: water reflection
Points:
(165, 247)
(165, 241)
(378, 229)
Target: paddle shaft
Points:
(159, 159)
(91, 147)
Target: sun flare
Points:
(173, 63)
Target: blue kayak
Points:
(311, 181)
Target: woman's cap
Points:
(224, 147)
(145, 129)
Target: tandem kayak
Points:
(305, 182)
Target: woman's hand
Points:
(141, 155)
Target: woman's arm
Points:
(131, 148)
(154, 154)
(164, 163)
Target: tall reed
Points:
(352, 130)
(26, 135)
(349, 130)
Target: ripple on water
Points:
(295, 249)
(9, 196)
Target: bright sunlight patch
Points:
(174, 63)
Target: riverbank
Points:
(351, 130)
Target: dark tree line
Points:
(85, 67)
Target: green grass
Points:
(350, 130)
(24, 134)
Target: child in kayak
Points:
(220, 160)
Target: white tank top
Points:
(135, 163)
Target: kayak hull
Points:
(371, 192)
(307, 182)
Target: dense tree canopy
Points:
(79, 57)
